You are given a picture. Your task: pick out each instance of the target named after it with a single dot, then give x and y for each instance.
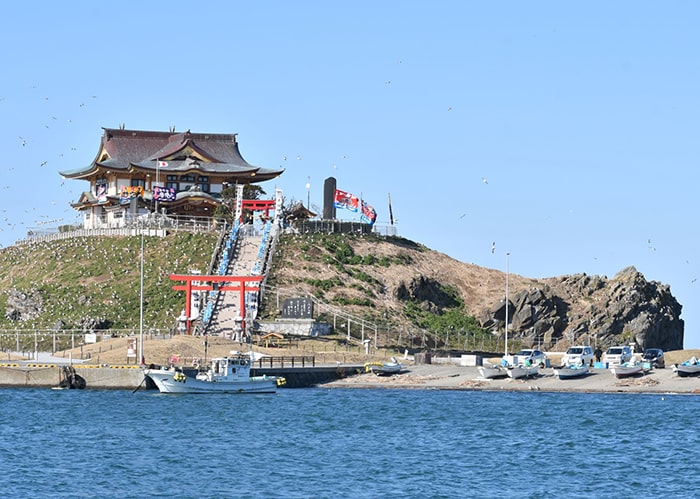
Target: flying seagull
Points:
(493, 247)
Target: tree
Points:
(226, 209)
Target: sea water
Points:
(327, 443)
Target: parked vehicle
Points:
(655, 357)
(578, 355)
(618, 355)
(528, 356)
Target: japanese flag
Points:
(162, 164)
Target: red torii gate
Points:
(259, 205)
(240, 285)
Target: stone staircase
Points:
(223, 321)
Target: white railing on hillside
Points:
(252, 297)
(224, 260)
(150, 224)
(315, 226)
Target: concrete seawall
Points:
(130, 377)
(50, 375)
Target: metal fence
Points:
(47, 340)
(150, 224)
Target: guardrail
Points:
(294, 361)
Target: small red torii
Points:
(239, 285)
(259, 205)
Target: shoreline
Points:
(600, 380)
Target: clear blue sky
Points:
(565, 132)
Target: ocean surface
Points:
(328, 443)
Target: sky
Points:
(545, 138)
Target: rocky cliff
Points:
(583, 309)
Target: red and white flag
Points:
(346, 200)
(162, 164)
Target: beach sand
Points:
(454, 377)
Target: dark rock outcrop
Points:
(23, 306)
(583, 309)
(427, 293)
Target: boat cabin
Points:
(227, 369)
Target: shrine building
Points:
(138, 172)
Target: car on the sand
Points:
(533, 356)
(617, 355)
(578, 355)
(655, 357)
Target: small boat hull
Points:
(626, 371)
(518, 372)
(572, 372)
(685, 370)
(386, 369)
(491, 372)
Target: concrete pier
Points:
(131, 376)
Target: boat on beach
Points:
(690, 367)
(522, 371)
(224, 375)
(385, 368)
(573, 371)
(627, 369)
(491, 371)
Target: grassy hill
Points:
(415, 295)
(95, 281)
(390, 281)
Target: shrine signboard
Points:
(298, 308)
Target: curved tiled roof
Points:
(215, 154)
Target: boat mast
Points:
(141, 358)
(507, 272)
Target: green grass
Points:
(99, 278)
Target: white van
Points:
(617, 355)
(578, 355)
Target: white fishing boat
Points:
(627, 369)
(225, 375)
(690, 367)
(573, 371)
(522, 371)
(491, 371)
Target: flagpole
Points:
(507, 273)
(157, 180)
